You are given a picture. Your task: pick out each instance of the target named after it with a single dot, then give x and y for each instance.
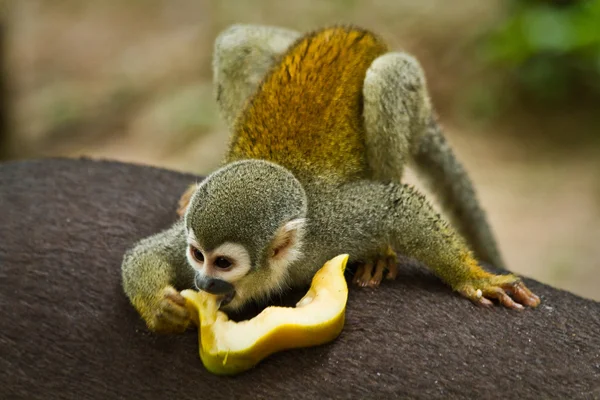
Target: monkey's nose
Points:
(215, 286)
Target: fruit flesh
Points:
(228, 347)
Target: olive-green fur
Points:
(323, 126)
(154, 263)
(248, 209)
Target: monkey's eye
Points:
(197, 254)
(222, 263)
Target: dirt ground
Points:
(132, 81)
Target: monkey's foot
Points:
(172, 315)
(499, 287)
(366, 276)
(184, 200)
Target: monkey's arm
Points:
(153, 272)
(370, 214)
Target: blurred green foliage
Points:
(551, 49)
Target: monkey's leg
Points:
(401, 127)
(395, 110)
(242, 56)
(395, 106)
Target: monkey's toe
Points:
(523, 295)
(371, 274)
(378, 275)
(482, 295)
(363, 274)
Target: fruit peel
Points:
(227, 347)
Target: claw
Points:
(378, 276)
(494, 290)
(502, 297)
(523, 295)
(363, 280)
(485, 302)
(359, 272)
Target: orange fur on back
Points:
(307, 113)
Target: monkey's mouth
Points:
(226, 299)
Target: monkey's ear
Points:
(287, 242)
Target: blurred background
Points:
(516, 85)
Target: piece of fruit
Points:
(227, 347)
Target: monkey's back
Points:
(307, 113)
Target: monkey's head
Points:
(245, 225)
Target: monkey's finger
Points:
(500, 295)
(359, 271)
(378, 276)
(175, 297)
(171, 318)
(170, 309)
(523, 295)
(392, 267)
(476, 296)
(364, 279)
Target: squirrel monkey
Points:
(322, 127)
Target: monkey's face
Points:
(218, 270)
(244, 228)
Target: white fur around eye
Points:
(192, 242)
(192, 260)
(239, 257)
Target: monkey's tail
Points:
(446, 178)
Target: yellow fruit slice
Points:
(228, 347)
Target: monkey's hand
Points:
(365, 276)
(498, 287)
(168, 313)
(151, 271)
